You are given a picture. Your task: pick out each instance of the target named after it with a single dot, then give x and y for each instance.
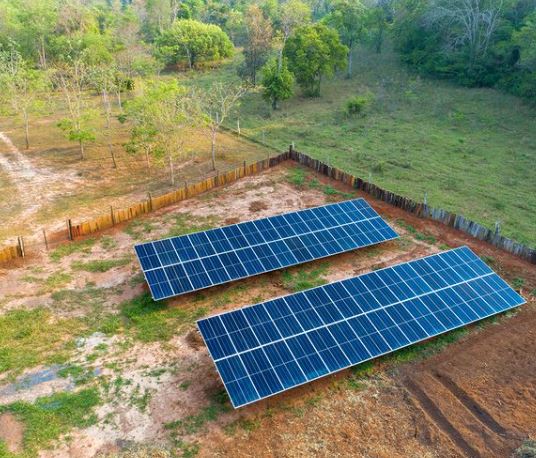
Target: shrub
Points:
(358, 104)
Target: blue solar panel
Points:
(267, 348)
(195, 261)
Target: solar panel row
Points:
(191, 262)
(270, 347)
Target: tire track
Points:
(442, 422)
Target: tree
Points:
(214, 106)
(313, 52)
(21, 88)
(347, 17)
(292, 14)
(277, 81)
(158, 118)
(377, 19)
(193, 41)
(466, 23)
(258, 41)
(73, 81)
(36, 24)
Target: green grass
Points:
(50, 417)
(472, 150)
(77, 246)
(99, 265)
(299, 279)
(185, 224)
(422, 236)
(33, 337)
(150, 321)
(79, 374)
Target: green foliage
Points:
(495, 47)
(52, 416)
(313, 52)
(526, 450)
(32, 337)
(357, 104)
(151, 321)
(277, 82)
(77, 246)
(518, 283)
(99, 265)
(348, 18)
(192, 41)
(299, 280)
(79, 130)
(258, 42)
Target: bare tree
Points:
(468, 23)
(215, 106)
(21, 88)
(79, 125)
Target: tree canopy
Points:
(313, 52)
(193, 41)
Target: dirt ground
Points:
(476, 397)
(48, 183)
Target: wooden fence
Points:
(152, 203)
(459, 222)
(118, 215)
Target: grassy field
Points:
(471, 150)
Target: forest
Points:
(358, 79)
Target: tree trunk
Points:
(379, 41)
(110, 147)
(274, 103)
(147, 161)
(171, 170)
(119, 103)
(42, 53)
(106, 104)
(81, 144)
(26, 130)
(349, 68)
(213, 148)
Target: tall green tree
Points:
(277, 81)
(193, 41)
(157, 118)
(258, 41)
(348, 18)
(314, 52)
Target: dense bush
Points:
(358, 104)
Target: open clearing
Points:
(89, 364)
(48, 183)
(471, 150)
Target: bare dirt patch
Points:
(11, 432)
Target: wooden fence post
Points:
(21, 246)
(69, 229)
(244, 168)
(150, 199)
(45, 237)
(112, 215)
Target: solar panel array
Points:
(267, 348)
(195, 261)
